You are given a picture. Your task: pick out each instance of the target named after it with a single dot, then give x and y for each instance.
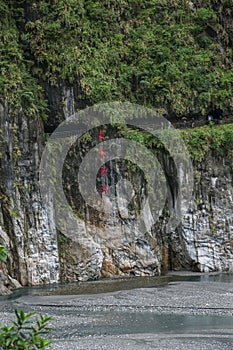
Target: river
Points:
(178, 311)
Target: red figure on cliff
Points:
(103, 168)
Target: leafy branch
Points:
(3, 253)
(25, 333)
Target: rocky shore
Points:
(179, 315)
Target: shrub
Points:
(3, 253)
(25, 333)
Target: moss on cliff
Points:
(218, 139)
(199, 141)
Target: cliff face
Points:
(26, 229)
(40, 254)
(72, 57)
(201, 242)
(207, 228)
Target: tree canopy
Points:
(172, 55)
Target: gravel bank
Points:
(180, 315)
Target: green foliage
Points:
(3, 253)
(17, 85)
(199, 141)
(161, 54)
(25, 333)
(209, 138)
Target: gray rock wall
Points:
(25, 228)
(208, 227)
(201, 242)
(39, 254)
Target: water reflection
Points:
(146, 322)
(116, 284)
(117, 323)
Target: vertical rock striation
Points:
(208, 227)
(112, 246)
(26, 229)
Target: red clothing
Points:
(101, 136)
(103, 170)
(104, 189)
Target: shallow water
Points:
(194, 312)
(115, 284)
(120, 323)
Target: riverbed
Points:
(172, 312)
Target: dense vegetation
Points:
(199, 141)
(172, 55)
(218, 139)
